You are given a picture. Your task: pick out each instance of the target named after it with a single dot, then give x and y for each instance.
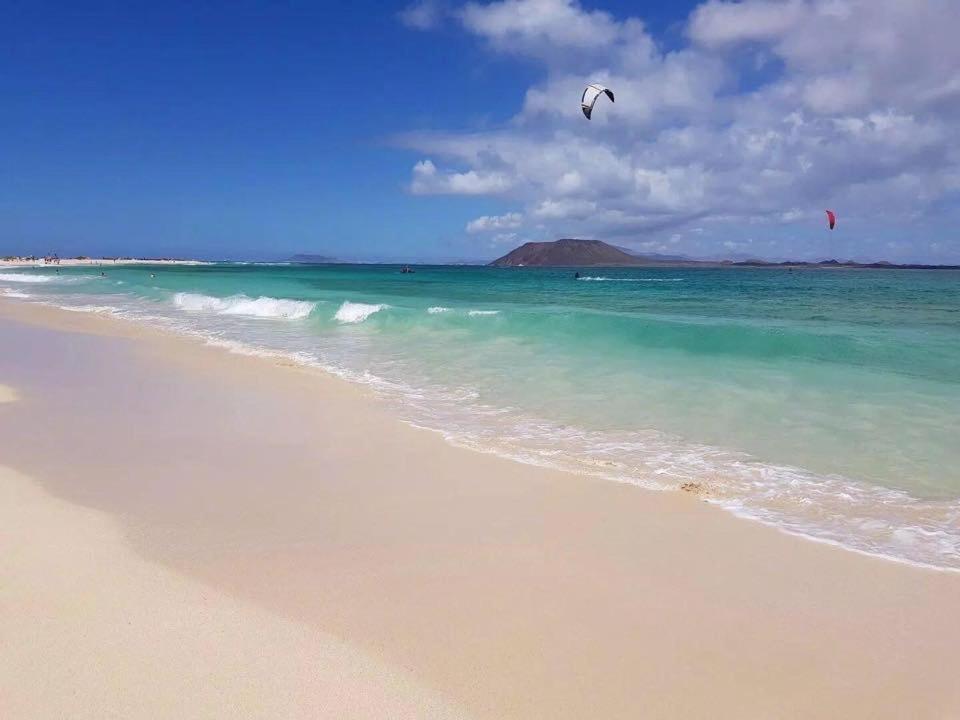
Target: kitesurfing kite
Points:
(831, 218)
(590, 95)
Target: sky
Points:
(445, 130)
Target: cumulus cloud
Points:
(428, 180)
(488, 223)
(849, 104)
(716, 23)
(539, 27)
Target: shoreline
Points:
(13, 263)
(517, 591)
(728, 490)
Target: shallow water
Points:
(825, 402)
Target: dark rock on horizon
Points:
(308, 258)
(568, 252)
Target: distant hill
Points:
(850, 264)
(568, 253)
(307, 258)
(596, 253)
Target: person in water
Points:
(576, 275)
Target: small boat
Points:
(406, 269)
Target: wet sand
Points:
(460, 583)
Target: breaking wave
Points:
(610, 279)
(261, 307)
(25, 278)
(351, 313)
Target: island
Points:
(572, 252)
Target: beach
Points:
(53, 263)
(820, 403)
(201, 533)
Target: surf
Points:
(259, 307)
(352, 313)
(25, 278)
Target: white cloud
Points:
(564, 209)
(859, 112)
(428, 180)
(487, 223)
(539, 26)
(715, 24)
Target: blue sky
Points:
(449, 130)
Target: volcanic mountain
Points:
(568, 253)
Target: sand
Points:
(85, 262)
(91, 630)
(306, 512)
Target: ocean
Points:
(824, 402)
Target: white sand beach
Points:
(21, 262)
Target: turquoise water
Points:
(824, 402)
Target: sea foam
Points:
(261, 307)
(15, 294)
(596, 278)
(96, 309)
(351, 313)
(25, 278)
